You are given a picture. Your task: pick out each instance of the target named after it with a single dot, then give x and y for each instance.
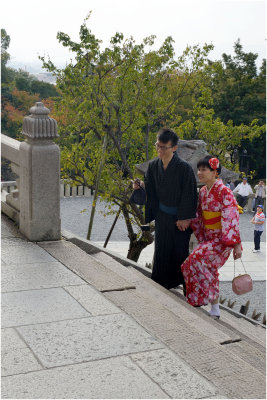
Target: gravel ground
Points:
(76, 221)
(257, 297)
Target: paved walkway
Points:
(255, 263)
(76, 325)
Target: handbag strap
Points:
(242, 264)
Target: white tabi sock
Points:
(215, 310)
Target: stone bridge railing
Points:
(35, 203)
(10, 190)
(66, 190)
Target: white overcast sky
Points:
(33, 25)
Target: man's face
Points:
(244, 181)
(165, 150)
(261, 183)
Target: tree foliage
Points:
(238, 94)
(126, 91)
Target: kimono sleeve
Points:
(151, 207)
(197, 223)
(229, 219)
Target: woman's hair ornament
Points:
(214, 163)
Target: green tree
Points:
(126, 91)
(5, 41)
(239, 98)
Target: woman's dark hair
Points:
(204, 162)
(166, 134)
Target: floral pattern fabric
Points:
(200, 269)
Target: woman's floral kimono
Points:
(216, 228)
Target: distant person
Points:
(243, 189)
(232, 185)
(171, 193)
(260, 194)
(216, 228)
(258, 221)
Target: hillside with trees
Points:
(19, 92)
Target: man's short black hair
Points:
(166, 134)
(204, 162)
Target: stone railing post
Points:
(40, 177)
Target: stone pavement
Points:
(80, 325)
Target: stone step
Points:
(243, 347)
(176, 304)
(156, 309)
(255, 332)
(212, 360)
(84, 265)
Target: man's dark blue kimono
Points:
(171, 196)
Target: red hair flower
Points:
(214, 163)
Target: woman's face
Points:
(205, 175)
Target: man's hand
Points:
(237, 252)
(137, 183)
(182, 225)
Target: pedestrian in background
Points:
(232, 185)
(260, 194)
(243, 190)
(258, 221)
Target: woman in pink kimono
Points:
(216, 228)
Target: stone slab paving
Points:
(39, 306)
(36, 276)
(112, 378)
(19, 251)
(80, 340)
(229, 372)
(173, 375)
(87, 267)
(72, 341)
(16, 357)
(92, 300)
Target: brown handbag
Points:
(242, 284)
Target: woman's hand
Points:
(237, 252)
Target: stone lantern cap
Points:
(39, 125)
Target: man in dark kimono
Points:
(171, 192)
